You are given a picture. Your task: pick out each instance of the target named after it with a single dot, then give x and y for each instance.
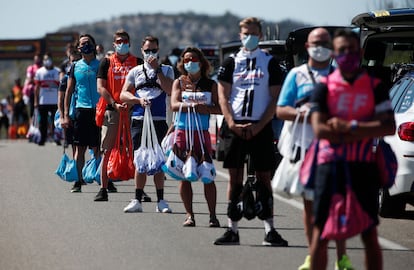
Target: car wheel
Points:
(390, 206)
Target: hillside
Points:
(173, 30)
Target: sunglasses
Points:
(191, 59)
(151, 50)
(120, 41)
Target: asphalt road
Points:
(44, 226)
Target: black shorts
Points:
(161, 128)
(260, 149)
(364, 179)
(85, 130)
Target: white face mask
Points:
(319, 53)
(147, 55)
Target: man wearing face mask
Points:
(46, 94)
(148, 85)
(349, 110)
(249, 83)
(293, 100)
(82, 82)
(111, 77)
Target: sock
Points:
(160, 194)
(138, 194)
(268, 224)
(233, 225)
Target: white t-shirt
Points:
(48, 80)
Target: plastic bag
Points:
(33, 134)
(286, 181)
(89, 170)
(149, 157)
(120, 163)
(66, 169)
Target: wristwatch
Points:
(354, 125)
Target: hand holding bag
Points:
(120, 163)
(286, 181)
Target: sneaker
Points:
(133, 207)
(306, 264)
(344, 264)
(162, 207)
(228, 238)
(77, 187)
(102, 196)
(274, 239)
(111, 187)
(145, 197)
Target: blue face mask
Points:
(192, 67)
(122, 48)
(87, 48)
(250, 42)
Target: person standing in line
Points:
(82, 79)
(74, 55)
(29, 83)
(111, 77)
(46, 95)
(349, 110)
(194, 88)
(148, 85)
(293, 100)
(249, 83)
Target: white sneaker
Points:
(133, 207)
(162, 207)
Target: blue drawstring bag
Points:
(66, 169)
(91, 170)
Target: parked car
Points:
(387, 38)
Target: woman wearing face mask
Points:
(195, 89)
(46, 94)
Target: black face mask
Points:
(87, 48)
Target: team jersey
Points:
(359, 100)
(147, 85)
(114, 72)
(86, 89)
(250, 74)
(48, 81)
(195, 93)
(298, 86)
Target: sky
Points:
(28, 19)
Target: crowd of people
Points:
(91, 91)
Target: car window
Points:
(402, 95)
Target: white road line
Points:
(385, 243)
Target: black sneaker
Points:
(228, 238)
(274, 239)
(102, 196)
(111, 187)
(77, 187)
(145, 197)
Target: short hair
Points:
(346, 33)
(121, 33)
(204, 63)
(88, 36)
(150, 39)
(251, 21)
